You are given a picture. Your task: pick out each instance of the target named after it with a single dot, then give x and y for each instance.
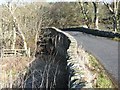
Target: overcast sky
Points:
(3, 1)
(78, 0)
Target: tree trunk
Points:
(14, 38)
(17, 26)
(1, 37)
(22, 35)
(114, 11)
(1, 34)
(115, 16)
(84, 12)
(95, 4)
(39, 23)
(115, 23)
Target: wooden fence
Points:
(14, 52)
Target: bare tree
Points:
(25, 20)
(1, 39)
(114, 11)
(85, 13)
(16, 25)
(38, 27)
(95, 5)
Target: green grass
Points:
(116, 39)
(103, 80)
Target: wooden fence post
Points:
(28, 52)
(15, 52)
(2, 52)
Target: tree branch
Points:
(109, 7)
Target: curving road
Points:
(105, 50)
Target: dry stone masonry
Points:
(57, 63)
(54, 41)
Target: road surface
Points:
(105, 50)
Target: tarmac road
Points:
(105, 50)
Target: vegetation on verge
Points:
(103, 81)
(116, 39)
(11, 70)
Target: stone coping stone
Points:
(72, 62)
(95, 32)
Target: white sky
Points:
(60, 0)
(76, 0)
(3, 1)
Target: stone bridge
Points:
(58, 63)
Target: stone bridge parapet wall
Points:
(96, 32)
(64, 45)
(72, 61)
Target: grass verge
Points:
(116, 39)
(102, 79)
